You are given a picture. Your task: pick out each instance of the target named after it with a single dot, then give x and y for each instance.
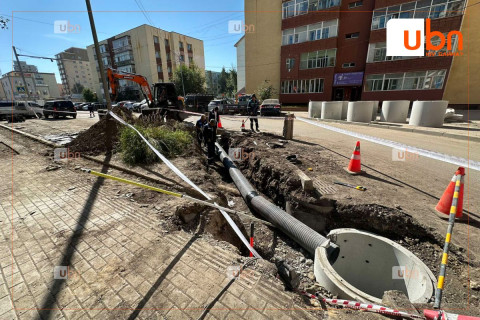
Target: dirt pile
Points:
(103, 136)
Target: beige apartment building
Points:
(263, 22)
(75, 68)
(151, 52)
(41, 85)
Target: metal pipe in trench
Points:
(296, 230)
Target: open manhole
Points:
(368, 265)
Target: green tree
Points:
(266, 91)
(88, 95)
(222, 81)
(231, 87)
(77, 88)
(191, 78)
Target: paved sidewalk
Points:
(120, 264)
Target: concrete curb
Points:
(414, 130)
(111, 165)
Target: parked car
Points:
(240, 107)
(270, 106)
(137, 105)
(20, 109)
(83, 107)
(59, 108)
(128, 105)
(220, 103)
(198, 102)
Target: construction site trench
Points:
(271, 165)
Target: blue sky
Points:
(31, 28)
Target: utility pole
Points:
(99, 59)
(21, 72)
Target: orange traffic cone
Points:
(443, 206)
(243, 126)
(355, 166)
(219, 123)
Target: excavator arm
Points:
(141, 80)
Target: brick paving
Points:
(120, 264)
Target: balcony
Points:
(124, 48)
(125, 63)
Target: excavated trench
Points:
(391, 231)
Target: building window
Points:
(182, 58)
(180, 44)
(348, 65)
(377, 52)
(315, 5)
(157, 54)
(311, 32)
(103, 48)
(189, 46)
(168, 56)
(159, 68)
(354, 35)
(302, 86)
(155, 39)
(421, 9)
(422, 80)
(121, 43)
(190, 60)
(355, 4)
(290, 63)
(167, 44)
(125, 56)
(318, 59)
(294, 8)
(169, 69)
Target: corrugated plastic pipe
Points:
(296, 230)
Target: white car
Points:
(137, 105)
(128, 105)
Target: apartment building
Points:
(75, 70)
(41, 85)
(149, 51)
(336, 50)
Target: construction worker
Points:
(213, 115)
(210, 136)
(252, 110)
(201, 123)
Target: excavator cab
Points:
(166, 102)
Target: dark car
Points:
(270, 106)
(59, 108)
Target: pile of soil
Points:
(103, 136)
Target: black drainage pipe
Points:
(302, 234)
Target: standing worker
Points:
(92, 112)
(199, 126)
(210, 137)
(213, 115)
(252, 110)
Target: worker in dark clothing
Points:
(210, 137)
(214, 115)
(252, 109)
(201, 123)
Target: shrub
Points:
(169, 141)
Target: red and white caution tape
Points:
(372, 308)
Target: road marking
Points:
(475, 165)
